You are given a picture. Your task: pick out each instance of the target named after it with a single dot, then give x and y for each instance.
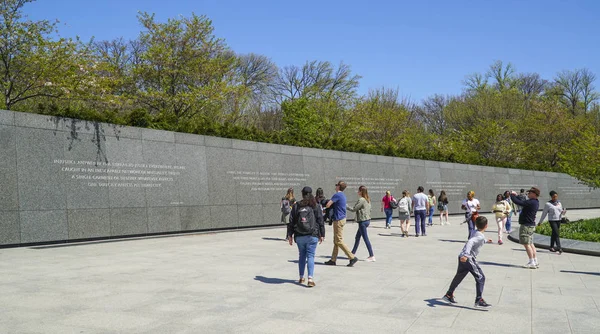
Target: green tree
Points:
(182, 68)
(32, 64)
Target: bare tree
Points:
(433, 113)
(503, 75)
(475, 82)
(576, 89)
(588, 93)
(568, 87)
(531, 84)
(315, 79)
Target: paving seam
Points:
(412, 323)
(569, 321)
(531, 294)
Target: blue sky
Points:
(420, 47)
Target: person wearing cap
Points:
(307, 233)
(338, 203)
(527, 223)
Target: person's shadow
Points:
(274, 280)
(274, 239)
(433, 302)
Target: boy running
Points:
(467, 263)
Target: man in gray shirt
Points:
(467, 263)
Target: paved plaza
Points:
(245, 282)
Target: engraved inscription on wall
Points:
(375, 185)
(267, 181)
(119, 174)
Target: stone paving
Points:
(245, 282)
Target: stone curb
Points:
(568, 245)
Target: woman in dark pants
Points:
(555, 212)
(363, 217)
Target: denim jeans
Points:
(388, 216)
(307, 246)
(362, 232)
(508, 224)
(420, 221)
(431, 210)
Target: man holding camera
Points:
(527, 223)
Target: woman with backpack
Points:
(501, 209)
(432, 202)
(363, 218)
(286, 205)
(307, 229)
(404, 209)
(386, 206)
(442, 207)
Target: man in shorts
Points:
(527, 223)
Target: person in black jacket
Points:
(527, 223)
(306, 227)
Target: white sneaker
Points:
(371, 259)
(537, 265)
(530, 265)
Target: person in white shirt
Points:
(555, 211)
(471, 206)
(420, 209)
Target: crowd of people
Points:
(306, 225)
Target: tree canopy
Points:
(179, 75)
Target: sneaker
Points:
(481, 303)
(352, 262)
(424, 234)
(500, 242)
(449, 298)
(537, 265)
(416, 235)
(329, 263)
(552, 250)
(560, 251)
(371, 259)
(310, 283)
(530, 265)
(301, 280)
(490, 241)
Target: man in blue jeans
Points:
(420, 209)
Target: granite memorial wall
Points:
(66, 179)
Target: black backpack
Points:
(305, 220)
(393, 204)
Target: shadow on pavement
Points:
(328, 257)
(448, 240)
(438, 302)
(274, 280)
(274, 239)
(316, 263)
(487, 263)
(390, 235)
(580, 272)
